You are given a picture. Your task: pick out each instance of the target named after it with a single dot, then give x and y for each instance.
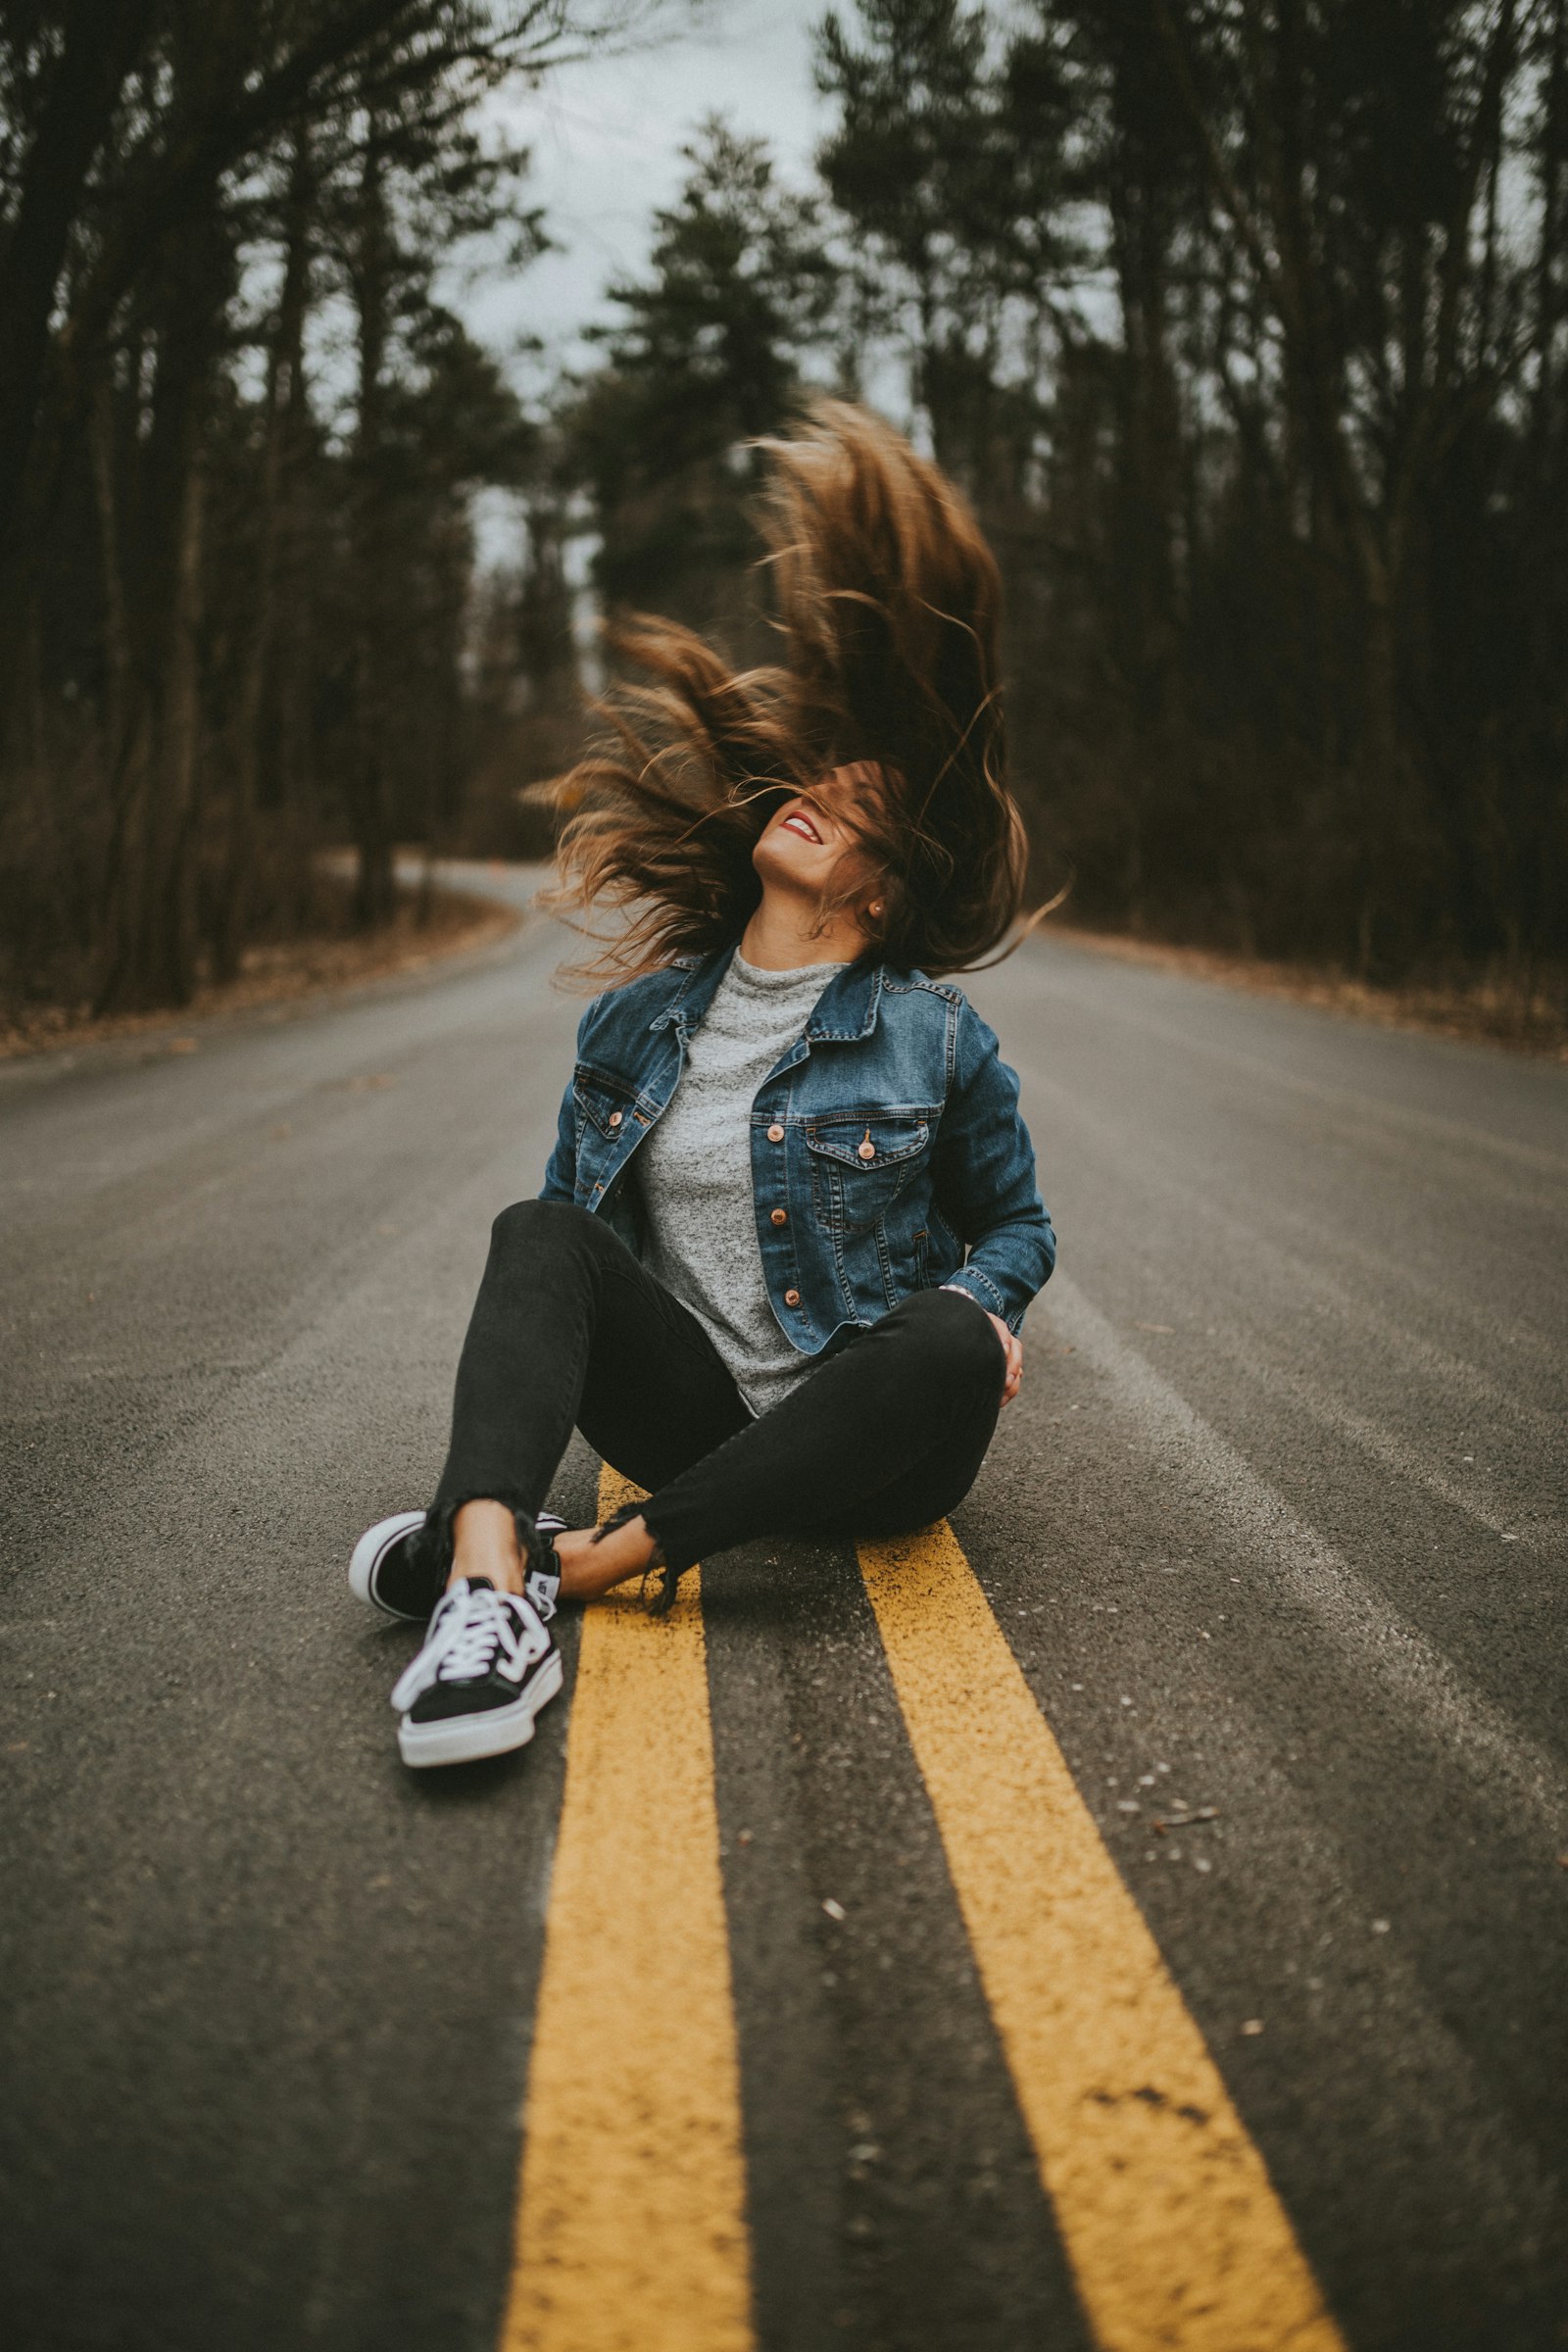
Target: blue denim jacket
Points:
(887, 1150)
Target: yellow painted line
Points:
(1176, 2238)
(631, 2224)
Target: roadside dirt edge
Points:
(1486, 1014)
(456, 923)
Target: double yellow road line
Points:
(632, 2201)
(632, 2227)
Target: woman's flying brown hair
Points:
(887, 599)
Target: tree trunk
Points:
(375, 888)
(110, 557)
(231, 910)
(1553, 153)
(99, 48)
(148, 929)
(168, 945)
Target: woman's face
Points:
(810, 848)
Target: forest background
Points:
(1243, 322)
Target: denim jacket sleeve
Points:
(557, 1183)
(560, 1182)
(985, 1178)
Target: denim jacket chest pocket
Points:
(862, 1160)
(607, 1120)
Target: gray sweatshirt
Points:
(696, 1174)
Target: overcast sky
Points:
(606, 138)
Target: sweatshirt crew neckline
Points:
(766, 982)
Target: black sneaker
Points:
(487, 1667)
(391, 1572)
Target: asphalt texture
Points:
(1278, 1518)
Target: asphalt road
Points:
(1275, 1528)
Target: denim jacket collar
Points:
(846, 1009)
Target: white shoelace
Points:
(466, 1634)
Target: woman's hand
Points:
(1011, 1345)
(1015, 1349)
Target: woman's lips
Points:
(797, 822)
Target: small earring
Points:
(875, 909)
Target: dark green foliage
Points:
(707, 353)
(239, 437)
(1243, 324)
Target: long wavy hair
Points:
(887, 601)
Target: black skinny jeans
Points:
(569, 1331)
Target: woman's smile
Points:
(815, 825)
(811, 861)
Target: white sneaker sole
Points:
(466, 1738)
(376, 1541)
(368, 1553)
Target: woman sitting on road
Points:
(790, 1226)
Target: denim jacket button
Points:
(792, 1297)
(615, 1118)
(775, 1134)
(781, 1217)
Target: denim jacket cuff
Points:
(982, 1289)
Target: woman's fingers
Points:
(1012, 1347)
